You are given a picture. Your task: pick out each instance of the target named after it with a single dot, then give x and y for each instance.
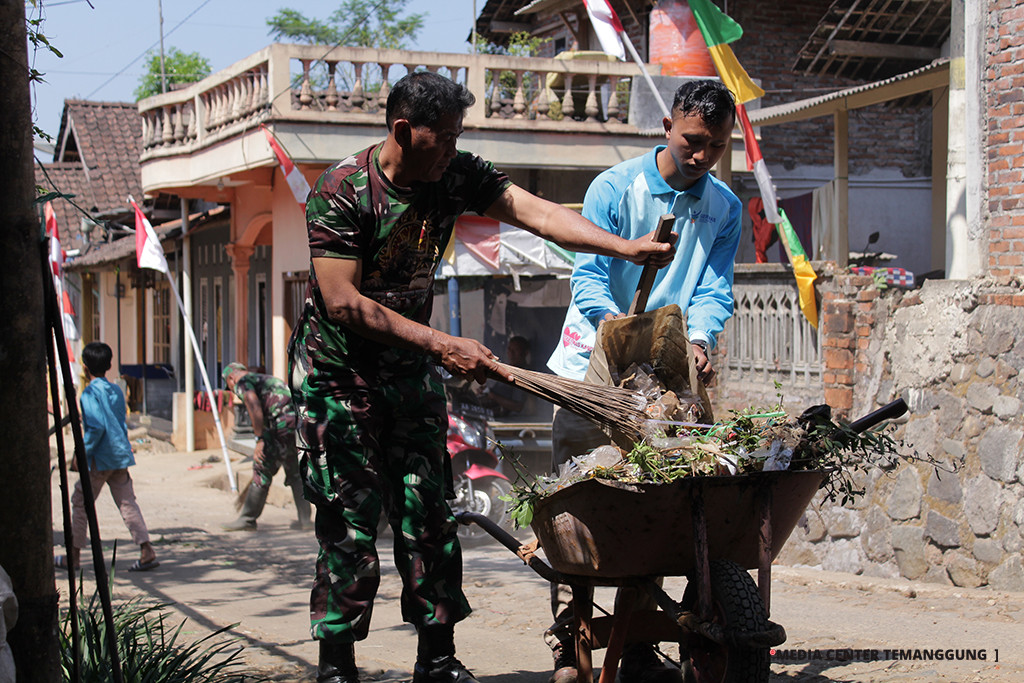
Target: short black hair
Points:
(96, 357)
(424, 97)
(708, 98)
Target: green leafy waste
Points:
(753, 440)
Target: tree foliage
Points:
(179, 67)
(359, 23)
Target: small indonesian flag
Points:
(607, 26)
(148, 252)
(292, 174)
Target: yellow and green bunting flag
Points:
(718, 31)
(802, 269)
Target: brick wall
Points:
(1004, 76)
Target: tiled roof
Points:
(96, 159)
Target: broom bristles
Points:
(619, 409)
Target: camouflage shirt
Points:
(274, 396)
(399, 234)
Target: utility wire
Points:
(148, 49)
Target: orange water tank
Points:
(676, 42)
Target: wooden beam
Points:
(572, 29)
(841, 142)
(861, 48)
(509, 27)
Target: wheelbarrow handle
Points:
(511, 542)
(890, 411)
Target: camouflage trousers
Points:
(365, 451)
(278, 450)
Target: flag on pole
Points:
(802, 269)
(719, 30)
(607, 27)
(148, 251)
(755, 163)
(292, 174)
(57, 256)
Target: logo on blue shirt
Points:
(701, 217)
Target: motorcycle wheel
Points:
(485, 500)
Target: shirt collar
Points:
(658, 185)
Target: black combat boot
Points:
(252, 508)
(565, 663)
(435, 657)
(337, 663)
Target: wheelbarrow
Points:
(710, 529)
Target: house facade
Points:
(912, 128)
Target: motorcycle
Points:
(479, 482)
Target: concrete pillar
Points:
(240, 255)
(964, 230)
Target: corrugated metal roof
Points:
(873, 39)
(926, 78)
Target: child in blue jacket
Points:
(110, 455)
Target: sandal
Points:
(140, 566)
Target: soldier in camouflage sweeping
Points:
(371, 412)
(269, 403)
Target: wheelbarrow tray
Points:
(611, 529)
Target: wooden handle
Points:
(643, 289)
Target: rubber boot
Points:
(641, 664)
(337, 663)
(302, 508)
(251, 509)
(435, 657)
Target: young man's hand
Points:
(705, 371)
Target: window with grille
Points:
(162, 322)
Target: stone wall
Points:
(954, 351)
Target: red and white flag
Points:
(292, 174)
(755, 163)
(148, 251)
(607, 26)
(57, 256)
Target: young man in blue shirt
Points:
(627, 200)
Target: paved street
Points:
(259, 581)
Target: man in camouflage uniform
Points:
(269, 402)
(371, 412)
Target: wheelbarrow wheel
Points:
(737, 607)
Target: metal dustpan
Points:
(657, 338)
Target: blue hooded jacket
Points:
(106, 434)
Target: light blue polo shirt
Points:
(628, 199)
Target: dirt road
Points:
(260, 581)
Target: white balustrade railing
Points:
(769, 339)
(347, 84)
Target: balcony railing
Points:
(350, 85)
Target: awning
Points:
(935, 75)
(483, 246)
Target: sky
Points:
(105, 45)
